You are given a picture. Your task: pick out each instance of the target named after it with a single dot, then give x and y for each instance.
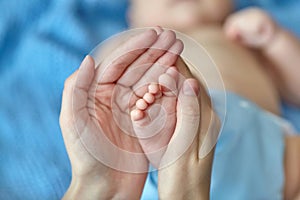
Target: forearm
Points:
(284, 54)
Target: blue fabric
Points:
(292, 114)
(41, 43)
(249, 156)
(150, 189)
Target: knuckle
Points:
(230, 21)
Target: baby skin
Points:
(269, 64)
(177, 91)
(92, 179)
(257, 59)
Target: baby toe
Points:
(141, 104)
(149, 98)
(153, 88)
(173, 72)
(136, 115)
(168, 85)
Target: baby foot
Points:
(154, 116)
(252, 27)
(143, 103)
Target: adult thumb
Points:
(188, 121)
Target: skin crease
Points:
(222, 33)
(90, 178)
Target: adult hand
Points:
(88, 120)
(183, 173)
(189, 176)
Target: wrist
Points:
(186, 182)
(196, 192)
(88, 189)
(127, 186)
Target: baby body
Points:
(257, 59)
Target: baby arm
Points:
(280, 49)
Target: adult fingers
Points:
(138, 68)
(117, 62)
(160, 66)
(188, 120)
(75, 95)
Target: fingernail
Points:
(158, 29)
(188, 90)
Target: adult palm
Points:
(100, 145)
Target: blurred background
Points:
(41, 43)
